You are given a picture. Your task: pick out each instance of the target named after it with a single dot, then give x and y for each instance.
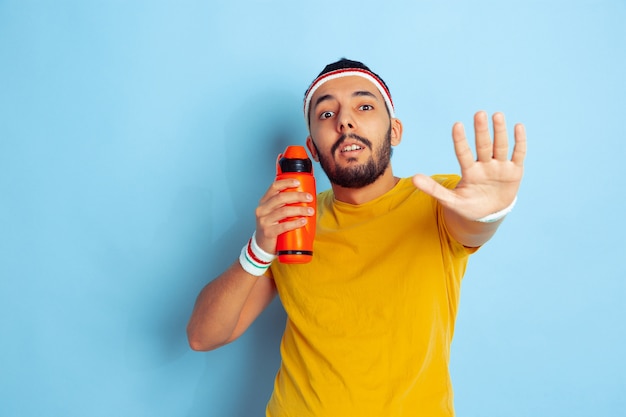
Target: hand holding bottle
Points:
(296, 246)
(288, 205)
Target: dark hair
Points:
(344, 63)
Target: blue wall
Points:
(118, 201)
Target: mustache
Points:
(345, 137)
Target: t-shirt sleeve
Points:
(458, 250)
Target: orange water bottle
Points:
(296, 246)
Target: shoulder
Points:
(447, 180)
(325, 198)
(405, 185)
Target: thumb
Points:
(433, 188)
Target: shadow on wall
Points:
(189, 250)
(238, 378)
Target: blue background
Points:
(137, 137)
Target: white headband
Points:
(346, 72)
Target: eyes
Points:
(329, 114)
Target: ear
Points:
(311, 147)
(396, 131)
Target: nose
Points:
(345, 121)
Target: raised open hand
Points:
(488, 183)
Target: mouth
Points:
(347, 144)
(351, 148)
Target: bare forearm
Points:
(218, 308)
(467, 232)
(229, 304)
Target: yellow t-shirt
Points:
(371, 317)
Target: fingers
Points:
(462, 149)
(500, 138)
(277, 187)
(487, 150)
(519, 150)
(281, 210)
(484, 149)
(433, 188)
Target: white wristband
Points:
(494, 217)
(260, 253)
(253, 259)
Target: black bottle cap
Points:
(295, 165)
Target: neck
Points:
(368, 193)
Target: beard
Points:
(359, 175)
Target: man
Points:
(371, 317)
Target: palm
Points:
(490, 181)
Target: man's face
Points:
(351, 131)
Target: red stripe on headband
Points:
(342, 70)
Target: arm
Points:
(488, 184)
(230, 303)
(227, 306)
